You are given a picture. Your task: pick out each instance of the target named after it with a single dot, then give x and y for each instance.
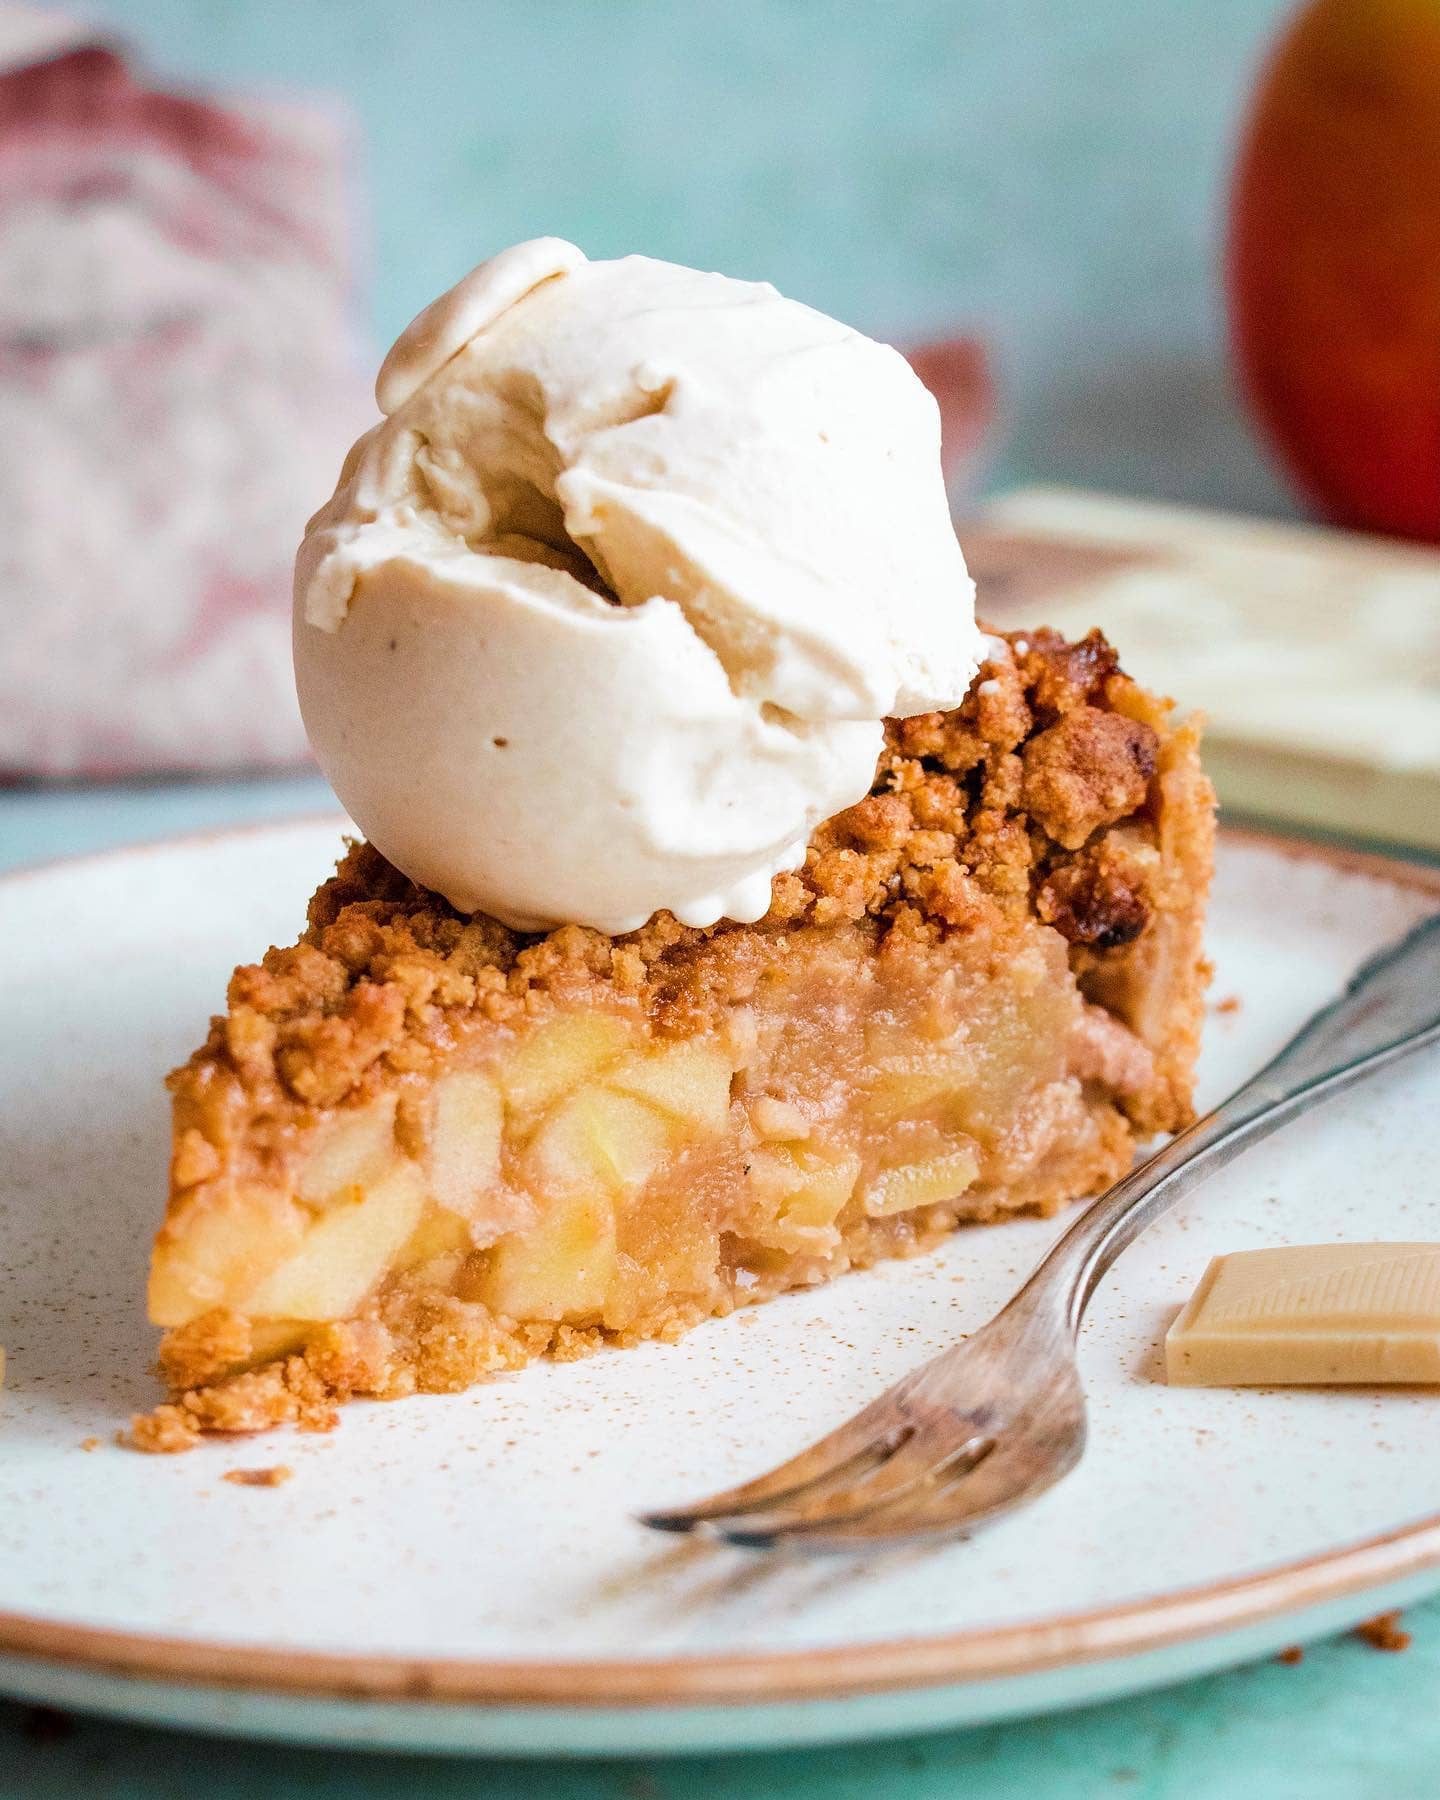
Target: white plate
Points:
(464, 1572)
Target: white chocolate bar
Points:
(1311, 1314)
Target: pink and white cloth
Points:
(179, 380)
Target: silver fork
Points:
(994, 1421)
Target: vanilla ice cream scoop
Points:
(605, 615)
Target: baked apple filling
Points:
(584, 1173)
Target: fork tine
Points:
(865, 1442)
(909, 1473)
(993, 1487)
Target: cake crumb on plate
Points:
(1384, 1632)
(275, 1476)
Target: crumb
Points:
(160, 1433)
(1230, 1004)
(46, 1724)
(275, 1476)
(90, 1443)
(1383, 1632)
(1294, 1654)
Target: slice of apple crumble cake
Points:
(420, 1148)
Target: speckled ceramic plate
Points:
(464, 1572)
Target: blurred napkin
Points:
(1315, 653)
(179, 380)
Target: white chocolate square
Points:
(1311, 1314)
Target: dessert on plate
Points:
(733, 911)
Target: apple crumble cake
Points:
(420, 1148)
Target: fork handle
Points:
(1390, 1008)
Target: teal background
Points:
(1049, 174)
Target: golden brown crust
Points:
(1156, 983)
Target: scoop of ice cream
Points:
(605, 615)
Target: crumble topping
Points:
(1037, 795)
(1088, 770)
(1100, 896)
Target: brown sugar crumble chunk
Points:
(1064, 674)
(1088, 770)
(1101, 896)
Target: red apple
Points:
(1334, 260)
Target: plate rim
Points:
(745, 1678)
